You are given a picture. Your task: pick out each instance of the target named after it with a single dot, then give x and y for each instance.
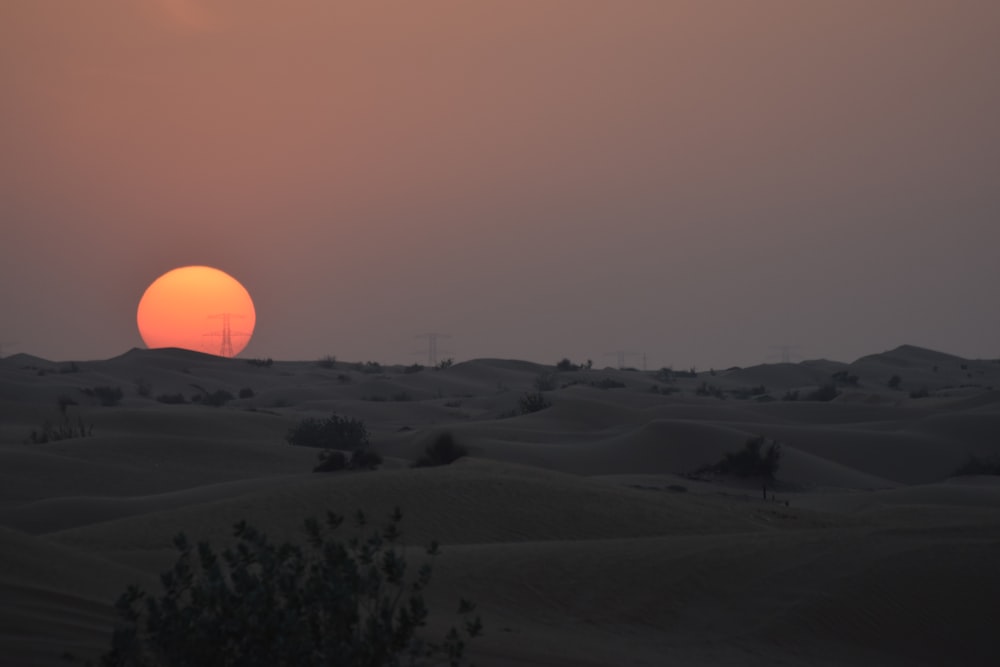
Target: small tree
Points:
(751, 461)
(352, 603)
(895, 381)
(334, 432)
(443, 451)
(533, 402)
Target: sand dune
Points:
(577, 529)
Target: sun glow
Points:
(197, 308)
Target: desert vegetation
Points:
(353, 602)
(334, 432)
(443, 451)
(533, 401)
(754, 460)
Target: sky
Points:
(696, 182)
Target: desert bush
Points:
(353, 602)
(107, 396)
(920, 393)
(261, 363)
(827, 392)
(791, 395)
(444, 364)
(607, 383)
(666, 391)
(894, 382)
(705, 389)
(73, 367)
(63, 402)
(334, 432)
(246, 392)
(364, 458)
(217, 398)
(545, 381)
(533, 401)
(845, 378)
(443, 451)
(665, 374)
(370, 367)
(172, 399)
(343, 378)
(413, 368)
(327, 362)
(401, 396)
(751, 461)
(331, 460)
(978, 466)
(64, 429)
(143, 388)
(749, 392)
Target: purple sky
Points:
(698, 181)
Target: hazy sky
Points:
(694, 180)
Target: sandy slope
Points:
(577, 529)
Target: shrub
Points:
(791, 395)
(920, 393)
(334, 432)
(443, 451)
(364, 458)
(327, 362)
(827, 392)
(172, 399)
(751, 461)
(413, 368)
(401, 396)
(143, 388)
(353, 603)
(608, 383)
(705, 389)
(843, 377)
(262, 363)
(444, 364)
(217, 398)
(977, 466)
(64, 429)
(107, 396)
(894, 382)
(533, 402)
(545, 382)
(331, 460)
(246, 392)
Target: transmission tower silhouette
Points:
(432, 345)
(622, 356)
(785, 353)
(226, 347)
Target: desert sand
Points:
(578, 530)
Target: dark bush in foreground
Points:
(977, 466)
(361, 459)
(533, 401)
(246, 392)
(751, 461)
(827, 392)
(65, 429)
(217, 398)
(354, 603)
(107, 396)
(334, 432)
(443, 451)
(172, 399)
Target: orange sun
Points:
(197, 308)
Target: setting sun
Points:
(197, 308)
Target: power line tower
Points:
(226, 347)
(785, 353)
(623, 355)
(432, 345)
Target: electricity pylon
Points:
(432, 345)
(622, 356)
(226, 348)
(785, 353)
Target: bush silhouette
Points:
(751, 461)
(361, 459)
(827, 392)
(533, 402)
(334, 432)
(443, 451)
(354, 603)
(107, 396)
